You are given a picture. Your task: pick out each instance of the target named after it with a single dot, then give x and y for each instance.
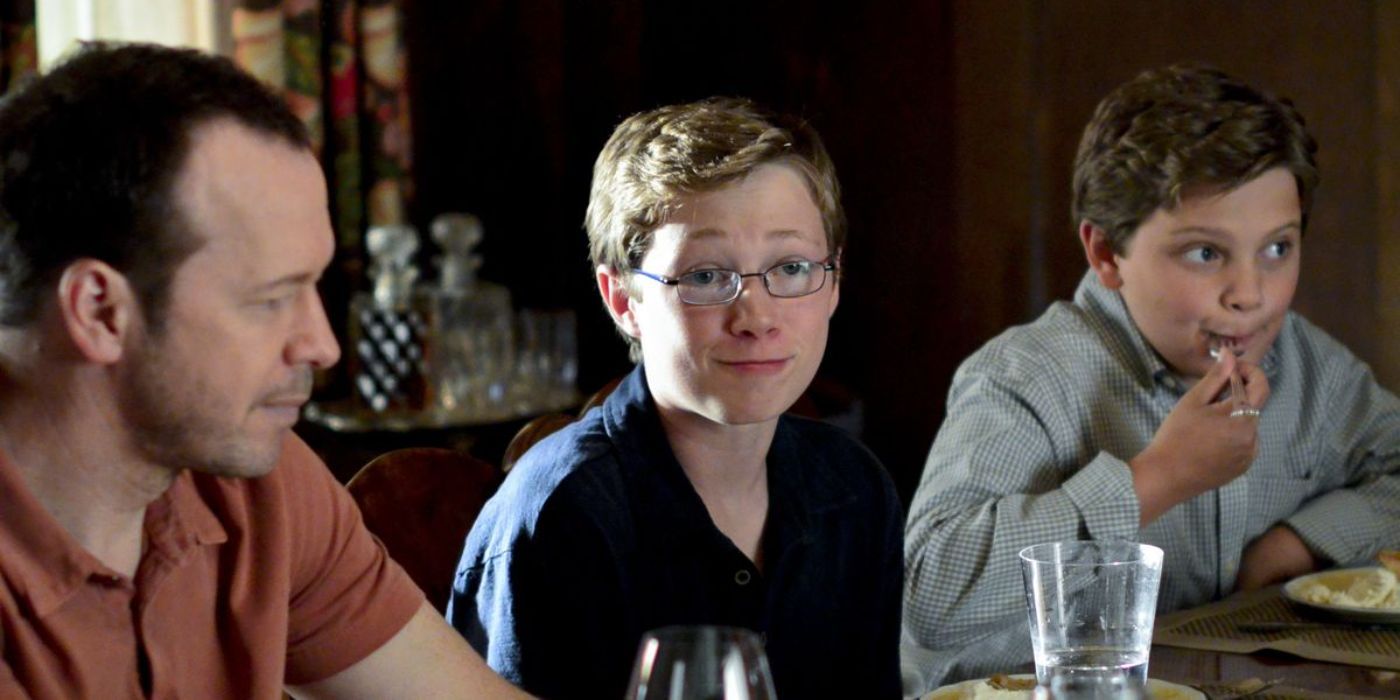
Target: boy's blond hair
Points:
(654, 158)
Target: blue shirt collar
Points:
(799, 486)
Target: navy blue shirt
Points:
(597, 536)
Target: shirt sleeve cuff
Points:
(1339, 526)
(1103, 492)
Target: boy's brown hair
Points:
(1172, 128)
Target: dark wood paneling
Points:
(893, 340)
(1387, 350)
(1030, 72)
(1282, 45)
(512, 104)
(953, 125)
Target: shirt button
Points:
(742, 577)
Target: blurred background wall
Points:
(953, 125)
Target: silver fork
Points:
(1238, 401)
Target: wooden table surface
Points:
(1192, 666)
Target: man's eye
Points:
(276, 303)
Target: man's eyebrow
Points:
(294, 279)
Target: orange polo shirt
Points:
(245, 584)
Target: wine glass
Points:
(701, 663)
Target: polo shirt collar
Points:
(800, 486)
(45, 566)
(661, 492)
(800, 477)
(181, 520)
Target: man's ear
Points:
(618, 299)
(1099, 252)
(98, 309)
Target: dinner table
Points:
(1261, 645)
(1225, 674)
(1271, 642)
(1264, 675)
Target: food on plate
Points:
(1390, 559)
(1374, 588)
(1003, 686)
(1001, 681)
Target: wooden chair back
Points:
(537, 429)
(547, 424)
(599, 396)
(421, 502)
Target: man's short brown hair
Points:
(1176, 127)
(89, 157)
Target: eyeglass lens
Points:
(790, 279)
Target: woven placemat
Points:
(1283, 692)
(1215, 627)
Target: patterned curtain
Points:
(341, 64)
(19, 47)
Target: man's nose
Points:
(312, 342)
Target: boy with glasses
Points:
(1176, 401)
(688, 497)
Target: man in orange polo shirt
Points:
(163, 224)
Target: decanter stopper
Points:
(458, 235)
(391, 248)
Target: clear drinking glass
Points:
(701, 663)
(546, 359)
(1091, 607)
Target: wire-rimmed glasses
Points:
(710, 286)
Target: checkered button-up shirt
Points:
(1040, 424)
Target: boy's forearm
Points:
(1350, 524)
(1276, 556)
(1154, 492)
(961, 554)
(1157, 488)
(983, 498)
(949, 564)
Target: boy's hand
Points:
(1199, 446)
(1277, 555)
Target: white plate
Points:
(1339, 580)
(1158, 690)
